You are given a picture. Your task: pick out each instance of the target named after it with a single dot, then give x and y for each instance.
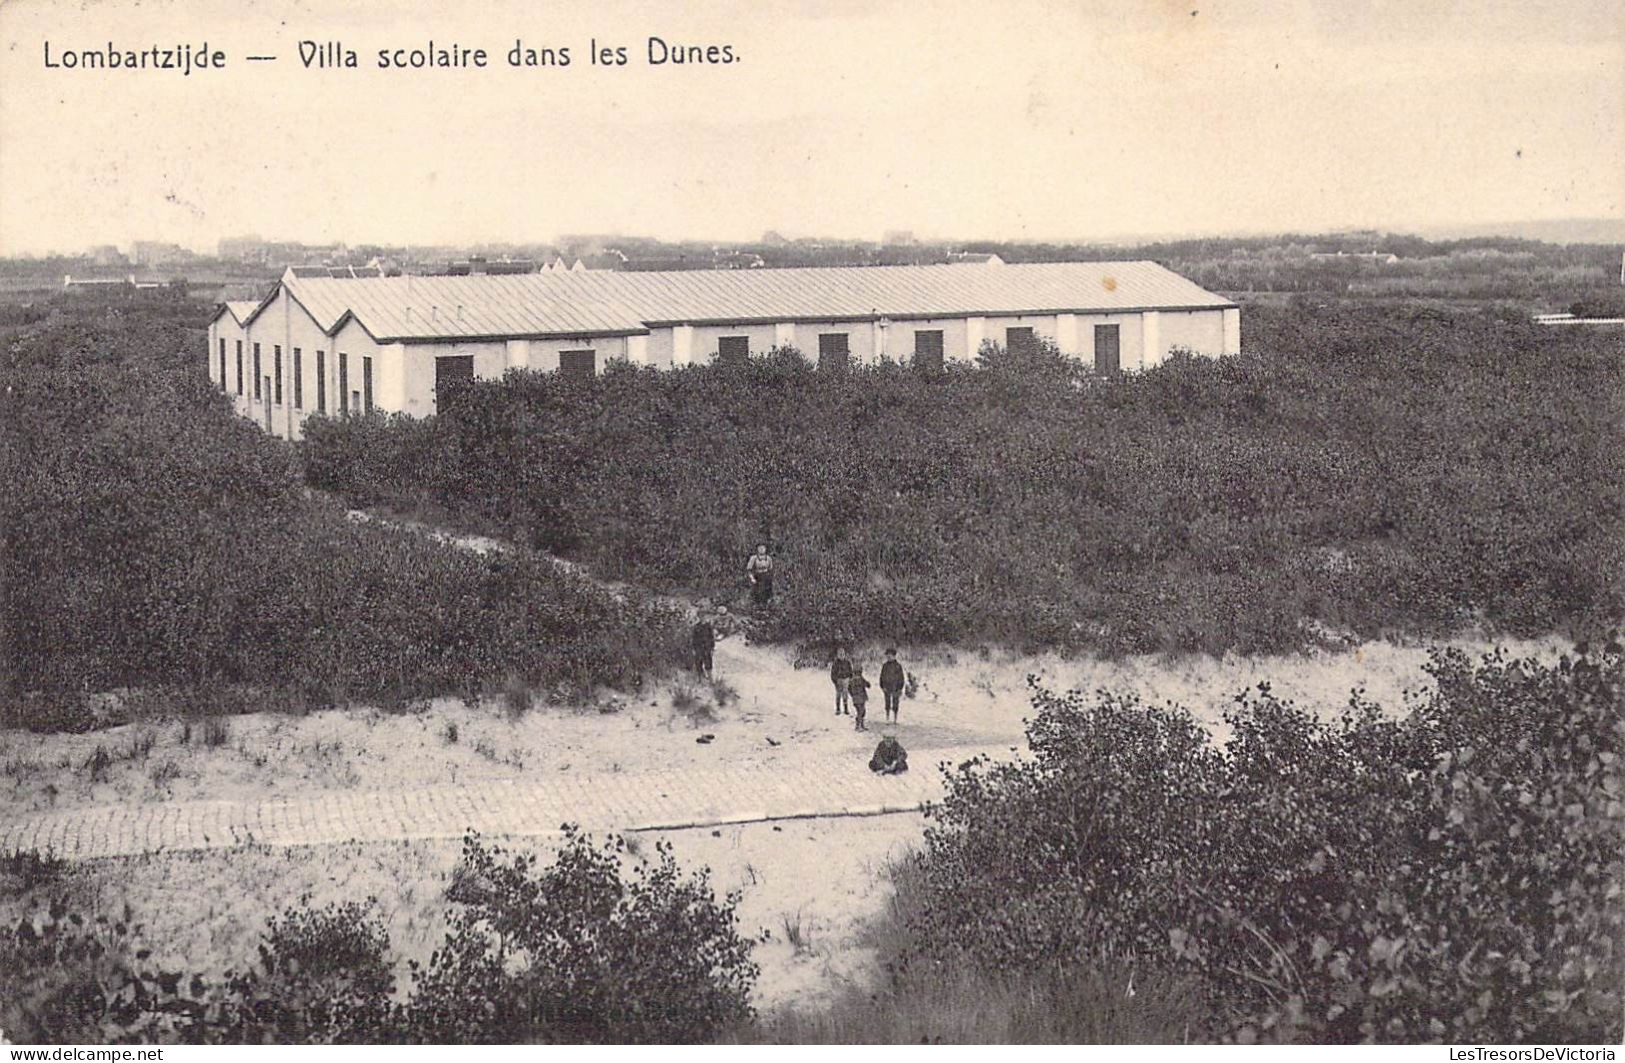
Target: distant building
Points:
(1574, 319)
(155, 253)
(1381, 258)
(975, 258)
(71, 284)
(108, 255)
(242, 248)
(333, 343)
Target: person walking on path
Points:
(891, 685)
(840, 673)
(760, 570)
(858, 689)
(702, 641)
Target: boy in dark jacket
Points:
(858, 688)
(702, 640)
(891, 684)
(840, 672)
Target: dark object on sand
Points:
(705, 740)
(890, 757)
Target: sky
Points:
(1028, 119)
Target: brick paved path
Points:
(622, 802)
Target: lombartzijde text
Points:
(1480, 1054)
(182, 58)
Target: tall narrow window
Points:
(239, 367)
(256, 372)
(276, 359)
(298, 379)
(321, 381)
(222, 364)
(1108, 348)
(450, 371)
(733, 350)
(344, 382)
(928, 350)
(833, 352)
(366, 384)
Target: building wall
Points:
(703, 348)
(859, 339)
(1200, 331)
(1043, 326)
(900, 338)
(658, 352)
(1130, 338)
(544, 354)
(414, 363)
(404, 374)
(355, 344)
(225, 327)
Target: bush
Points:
(1459, 466)
(160, 541)
(1455, 875)
(577, 952)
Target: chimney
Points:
(459, 311)
(434, 313)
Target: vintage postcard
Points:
(798, 522)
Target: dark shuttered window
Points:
(1108, 342)
(928, 350)
(833, 352)
(321, 381)
(579, 364)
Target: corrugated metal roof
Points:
(542, 304)
(240, 309)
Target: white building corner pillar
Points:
(637, 349)
(390, 378)
(1066, 334)
(1151, 352)
(975, 332)
(1232, 331)
(518, 354)
(682, 345)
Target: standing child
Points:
(891, 684)
(702, 640)
(760, 570)
(840, 673)
(858, 688)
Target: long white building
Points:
(328, 345)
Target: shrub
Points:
(164, 543)
(577, 951)
(1458, 463)
(1455, 875)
